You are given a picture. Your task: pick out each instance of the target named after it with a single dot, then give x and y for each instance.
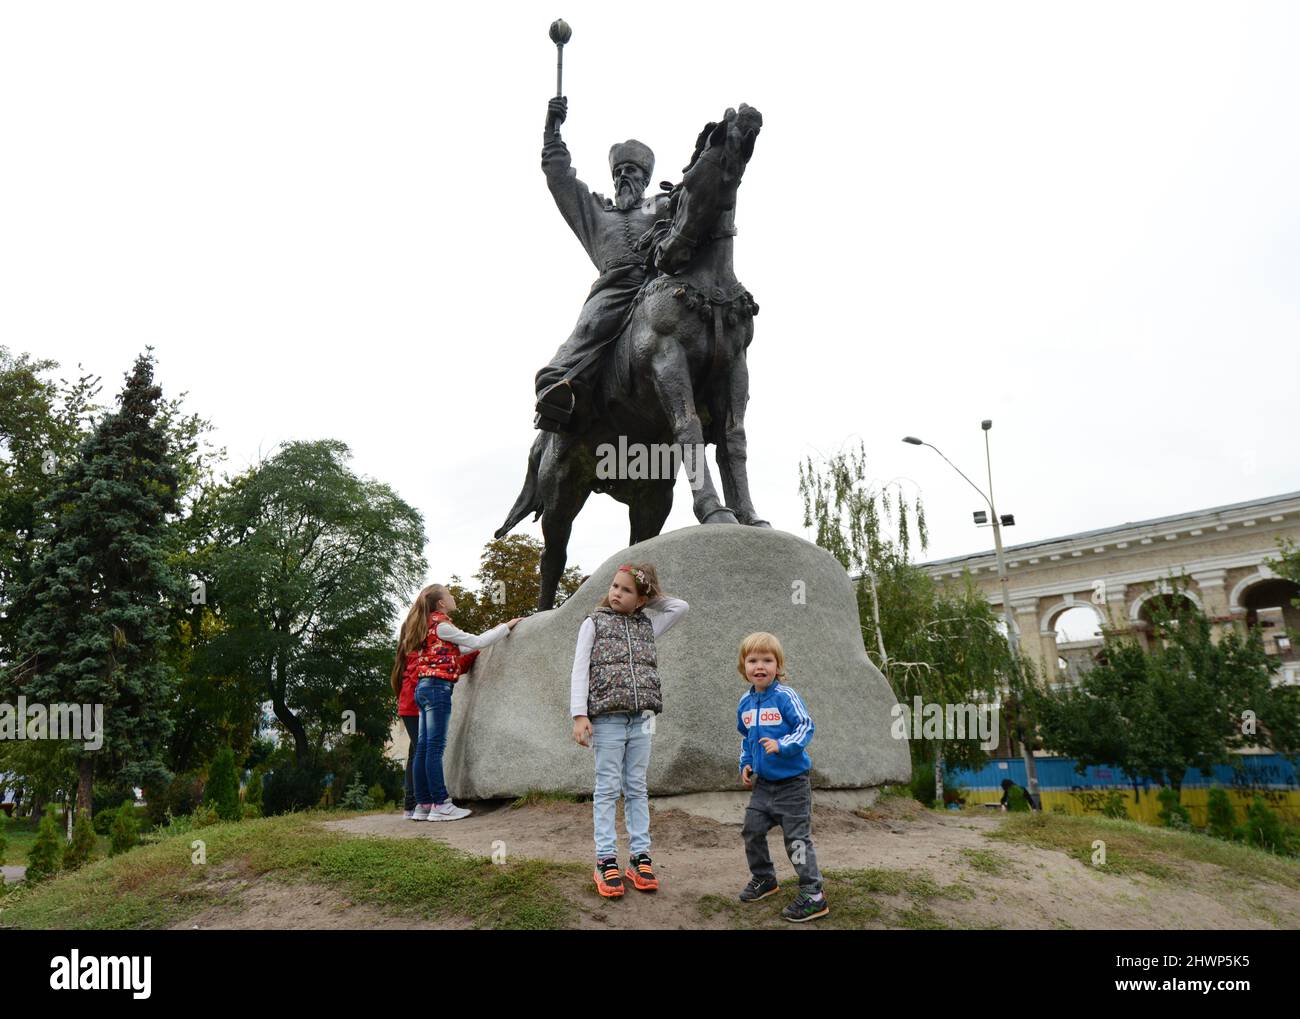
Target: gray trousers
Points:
(788, 803)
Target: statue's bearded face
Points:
(630, 183)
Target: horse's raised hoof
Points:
(721, 515)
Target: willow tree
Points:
(943, 648)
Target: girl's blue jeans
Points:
(433, 698)
(621, 741)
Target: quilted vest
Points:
(624, 674)
(437, 657)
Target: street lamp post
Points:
(1013, 639)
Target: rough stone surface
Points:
(511, 729)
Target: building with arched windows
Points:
(1063, 590)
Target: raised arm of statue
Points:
(572, 197)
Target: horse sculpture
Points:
(674, 379)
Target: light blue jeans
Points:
(621, 741)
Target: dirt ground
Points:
(697, 857)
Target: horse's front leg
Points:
(670, 375)
(732, 451)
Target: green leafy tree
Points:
(309, 564)
(42, 422)
(79, 851)
(509, 579)
(942, 647)
(96, 608)
(46, 854)
(1185, 703)
(222, 790)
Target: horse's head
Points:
(708, 186)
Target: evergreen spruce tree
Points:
(96, 609)
(1222, 819)
(222, 790)
(47, 851)
(125, 832)
(82, 847)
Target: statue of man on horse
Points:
(609, 231)
(658, 357)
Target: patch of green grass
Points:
(535, 797)
(1133, 847)
(157, 885)
(919, 918)
(21, 836)
(987, 862)
(858, 898)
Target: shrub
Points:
(222, 790)
(290, 787)
(1222, 819)
(3, 845)
(78, 852)
(1016, 801)
(377, 796)
(251, 810)
(47, 851)
(356, 797)
(124, 832)
(1265, 830)
(253, 790)
(178, 798)
(204, 814)
(1115, 806)
(923, 783)
(1172, 812)
(105, 799)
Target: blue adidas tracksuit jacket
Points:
(778, 713)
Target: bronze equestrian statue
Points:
(657, 359)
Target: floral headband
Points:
(639, 574)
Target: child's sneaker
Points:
(608, 881)
(421, 812)
(759, 889)
(642, 874)
(447, 812)
(805, 907)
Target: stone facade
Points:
(1216, 556)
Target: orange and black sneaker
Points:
(641, 874)
(608, 880)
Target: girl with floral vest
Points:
(614, 696)
(432, 655)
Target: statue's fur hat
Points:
(632, 151)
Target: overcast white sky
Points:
(329, 219)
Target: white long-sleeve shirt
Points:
(468, 642)
(667, 612)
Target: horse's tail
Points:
(529, 500)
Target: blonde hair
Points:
(414, 630)
(647, 584)
(761, 641)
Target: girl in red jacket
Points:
(432, 653)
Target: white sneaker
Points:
(408, 814)
(420, 813)
(447, 812)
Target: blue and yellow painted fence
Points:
(1061, 787)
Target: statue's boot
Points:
(555, 406)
